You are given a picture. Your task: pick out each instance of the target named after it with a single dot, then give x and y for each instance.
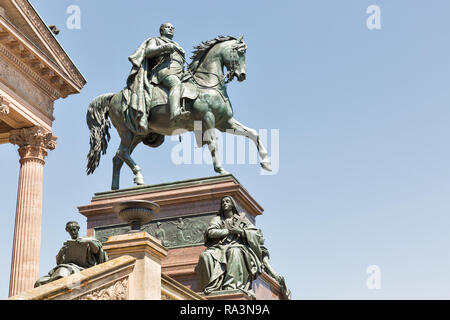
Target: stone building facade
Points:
(35, 71)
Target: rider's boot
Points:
(174, 102)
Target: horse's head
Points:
(234, 59)
(212, 55)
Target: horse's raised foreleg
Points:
(127, 144)
(237, 128)
(210, 138)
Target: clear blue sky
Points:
(363, 117)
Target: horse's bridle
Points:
(221, 82)
(234, 62)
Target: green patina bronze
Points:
(162, 99)
(76, 255)
(235, 254)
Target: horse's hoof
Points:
(221, 171)
(139, 181)
(115, 185)
(266, 166)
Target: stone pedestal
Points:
(33, 143)
(145, 281)
(186, 210)
(228, 295)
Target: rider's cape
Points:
(137, 94)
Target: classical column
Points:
(33, 144)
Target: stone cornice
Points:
(135, 243)
(53, 45)
(45, 60)
(192, 190)
(30, 73)
(13, 110)
(33, 63)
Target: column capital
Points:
(33, 142)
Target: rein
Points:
(221, 80)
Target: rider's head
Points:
(167, 30)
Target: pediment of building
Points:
(30, 45)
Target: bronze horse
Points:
(212, 107)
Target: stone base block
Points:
(228, 295)
(186, 210)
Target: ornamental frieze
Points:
(117, 291)
(173, 232)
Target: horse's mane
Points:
(202, 49)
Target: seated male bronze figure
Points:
(77, 254)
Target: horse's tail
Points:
(99, 124)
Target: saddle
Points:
(160, 94)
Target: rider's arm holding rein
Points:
(154, 50)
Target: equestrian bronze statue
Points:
(162, 99)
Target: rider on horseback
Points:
(159, 60)
(139, 118)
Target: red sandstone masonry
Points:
(179, 199)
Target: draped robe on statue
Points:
(230, 261)
(145, 73)
(74, 257)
